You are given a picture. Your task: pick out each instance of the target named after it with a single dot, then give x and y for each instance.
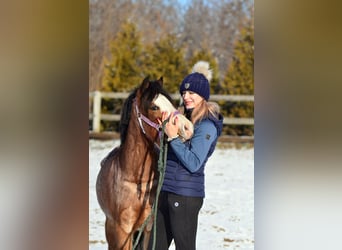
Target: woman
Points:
(182, 193)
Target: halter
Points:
(141, 118)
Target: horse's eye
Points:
(154, 108)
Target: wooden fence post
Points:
(96, 111)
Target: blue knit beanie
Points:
(198, 80)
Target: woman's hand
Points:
(171, 127)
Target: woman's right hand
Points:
(171, 127)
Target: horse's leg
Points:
(110, 234)
(146, 239)
(117, 237)
(147, 233)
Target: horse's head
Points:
(152, 100)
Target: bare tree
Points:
(105, 19)
(228, 21)
(155, 19)
(214, 25)
(196, 28)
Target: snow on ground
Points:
(226, 220)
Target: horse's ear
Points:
(161, 81)
(145, 83)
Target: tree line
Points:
(166, 39)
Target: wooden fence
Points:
(96, 116)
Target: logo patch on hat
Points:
(187, 85)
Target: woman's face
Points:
(191, 99)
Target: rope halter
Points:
(142, 118)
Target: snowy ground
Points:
(226, 220)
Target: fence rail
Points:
(96, 116)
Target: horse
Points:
(128, 178)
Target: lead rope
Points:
(161, 169)
(154, 210)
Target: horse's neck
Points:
(137, 146)
(137, 159)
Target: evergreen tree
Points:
(239, 79)
(123, 71)
(165, 58)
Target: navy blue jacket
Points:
(184, 174)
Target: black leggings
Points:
(177, 220)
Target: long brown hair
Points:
(203, 110)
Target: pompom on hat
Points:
(198, 80)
